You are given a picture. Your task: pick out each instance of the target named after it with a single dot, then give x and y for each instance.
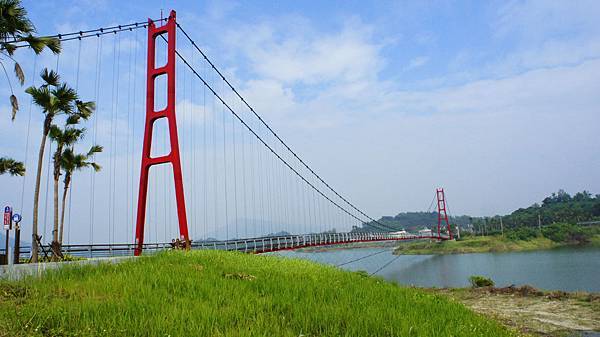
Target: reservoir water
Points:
(569, 269)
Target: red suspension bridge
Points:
(203, 166)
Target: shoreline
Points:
(486, 244)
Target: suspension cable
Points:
(83, 34)
(385, 265)
(260, 138)
(269, 128)
(138, 25)
(363, 257)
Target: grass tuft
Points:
(212, 293)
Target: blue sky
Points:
(497, 101)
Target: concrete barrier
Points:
(18, 271)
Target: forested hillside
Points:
(560, 207)
(412, 221)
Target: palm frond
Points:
(12, 167)
(96, 167)
(95, 149)
(52, 43)
(19, 73)
(73, 119)
(72, 135)
(55, 133)
(14, 103)
(34, 43)
(9, 47)
(50, 77)
(41, 96)
(85, 109)
(65, 96)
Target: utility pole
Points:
(484, 226)
(458, 231)
(539, 223)
(501, 227)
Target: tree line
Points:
(558, 208)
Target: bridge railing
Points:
(249, 245)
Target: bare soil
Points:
(535, 312)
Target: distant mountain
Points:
(282, 233)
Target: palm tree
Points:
(17, 31)
(54, 98)
(11, 166)
(70, 163)
(63, 139)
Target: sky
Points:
(496, 101)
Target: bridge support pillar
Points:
(152, 116)
(442, 215)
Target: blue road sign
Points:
(7, 209)
(16, 217)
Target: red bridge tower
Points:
(442, 215)
(152, 116)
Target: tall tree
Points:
(16, 30)
(70, 163)
(54, 98)
(63, 139)
(11, 167)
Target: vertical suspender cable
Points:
(72, 189)
(204, 161)
(215, 181)
(49, 164)
(111, 147)
(194, 147)
(97, 82)
(34, 71)
(181, 126)
(234, 178)
(127, 197)
(115, 141)
(225, 174)
(133, 148)
(251, 158)
(245, 195)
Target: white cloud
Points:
(308, 57)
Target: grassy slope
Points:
(477, 244)
(210, 293)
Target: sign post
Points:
(7, 227)
(16, 218)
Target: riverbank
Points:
(215, 293)
(350, 245)
(533, 311)
(482, 244)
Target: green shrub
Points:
(523, 234)
(478, 281)
(563, 232)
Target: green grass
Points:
(211, 293)
(478, 244)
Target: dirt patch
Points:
(239, 276)
(533, 311)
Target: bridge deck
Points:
(256, 245)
